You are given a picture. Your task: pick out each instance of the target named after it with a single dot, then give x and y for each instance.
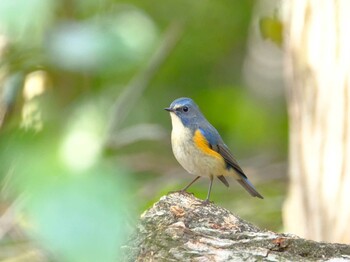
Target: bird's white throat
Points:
(179, 130)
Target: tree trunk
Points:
(317, 62)
(180, 228)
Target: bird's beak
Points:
(169, 109)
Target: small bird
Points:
(199, 148)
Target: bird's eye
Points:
(185, 109)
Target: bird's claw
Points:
(180, 192)
(204, 203)
(207, 202)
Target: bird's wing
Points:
(215, 142)
(226, 154)
(223, 150)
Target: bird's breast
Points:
(189, 150)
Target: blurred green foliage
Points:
(84, 140)
(272, 28)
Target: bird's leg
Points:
(184, 190)
(206, 201)
(190, 184)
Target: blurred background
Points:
(84, 140)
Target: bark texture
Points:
(317, 62)
(180, 228)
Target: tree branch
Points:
(180, 228)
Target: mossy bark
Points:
(180, 228)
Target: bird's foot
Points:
(207, 202)
(204, 203)
(180, 192)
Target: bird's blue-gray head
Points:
(186, 110)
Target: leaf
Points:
(271, 28)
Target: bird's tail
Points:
(249, 187)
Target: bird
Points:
(199, 148)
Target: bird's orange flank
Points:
(202, 143)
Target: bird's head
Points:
(184, 109)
